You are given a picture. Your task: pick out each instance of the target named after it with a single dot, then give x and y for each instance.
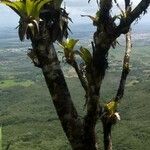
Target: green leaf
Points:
(29, 7)
(69, 43)
(17, 6)
(85, 55)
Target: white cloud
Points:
(74, 7)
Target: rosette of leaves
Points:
(29, 11)
(86, 56)
(68, 47)
(111, 111)
(69, 52)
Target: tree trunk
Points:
(90, 121)
(107, 135)
(59, 92)
(80, 136)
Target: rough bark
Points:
(60, 94)
(90, 120)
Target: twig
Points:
(80, 75)
(119, 7)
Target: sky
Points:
(75, 8)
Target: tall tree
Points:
(44, 22)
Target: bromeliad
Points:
(68, 47)
(110, 111)
(29, 11)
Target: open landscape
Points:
(28, 117)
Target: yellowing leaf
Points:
(70, 43)
(111, 107)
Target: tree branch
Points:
(109, 119)
(132, 16)
(103, 38)
(83, 81)
(80, 75)
(106, 34)
(97, 71)
(127, 4)
(105, 7)
(125, 70)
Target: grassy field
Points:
(28, 117)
